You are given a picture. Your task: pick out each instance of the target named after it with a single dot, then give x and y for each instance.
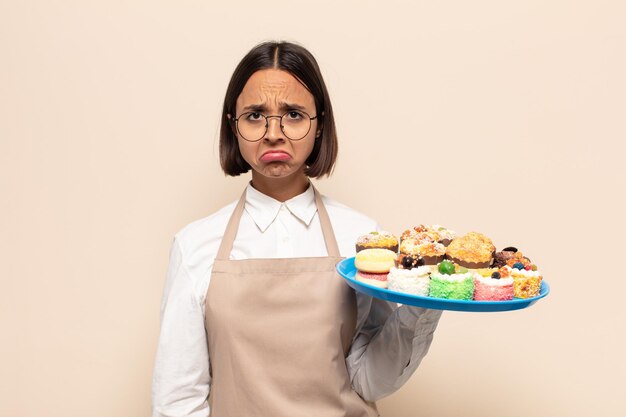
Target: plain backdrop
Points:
(504, 117)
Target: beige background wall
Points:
(502, 117)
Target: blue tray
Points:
(347, 270)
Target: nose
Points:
(274, 130)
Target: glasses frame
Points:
(267, 124)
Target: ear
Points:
(232, 125)
(319, 130)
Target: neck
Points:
(281, 189)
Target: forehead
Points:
(269, 86)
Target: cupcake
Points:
(505, 255)
(446, 282)
(526, 279)
(377, 240)
(493, 287)
(411, 281)
(474, 250)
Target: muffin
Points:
(473, 250)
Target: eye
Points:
(294, 115)
(254, 116)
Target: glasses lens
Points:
(296, 124)
(251, 126)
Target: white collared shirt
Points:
(389, 343)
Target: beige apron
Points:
(278, 333)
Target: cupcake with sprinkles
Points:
(452, 282)
(377, 240)
(493, 285)
(526, 279)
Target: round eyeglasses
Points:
(252, 126)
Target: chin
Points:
(278, 171)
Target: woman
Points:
(254, 319)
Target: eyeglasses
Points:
(252, 126)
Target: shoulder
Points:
(348, 224)
(200, 240)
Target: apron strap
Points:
(327, 228)
(226, 246)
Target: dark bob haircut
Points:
(300, 63)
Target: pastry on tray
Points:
(373, 265)
(473, 250)
(377, 240)
(446, 282)
(414, 281)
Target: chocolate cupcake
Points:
(508, 256)
(500, 258)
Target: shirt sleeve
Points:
(181, 378)
(389, 346)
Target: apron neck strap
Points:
(327, 228)
(233, 225)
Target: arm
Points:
(181, 379)
(389, 347)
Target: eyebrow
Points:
(282, 105)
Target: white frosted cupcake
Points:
(411, 281)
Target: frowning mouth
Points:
(275, 156)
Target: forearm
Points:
(382, 364)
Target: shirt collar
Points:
(263, 209)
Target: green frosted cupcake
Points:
(452, 286)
